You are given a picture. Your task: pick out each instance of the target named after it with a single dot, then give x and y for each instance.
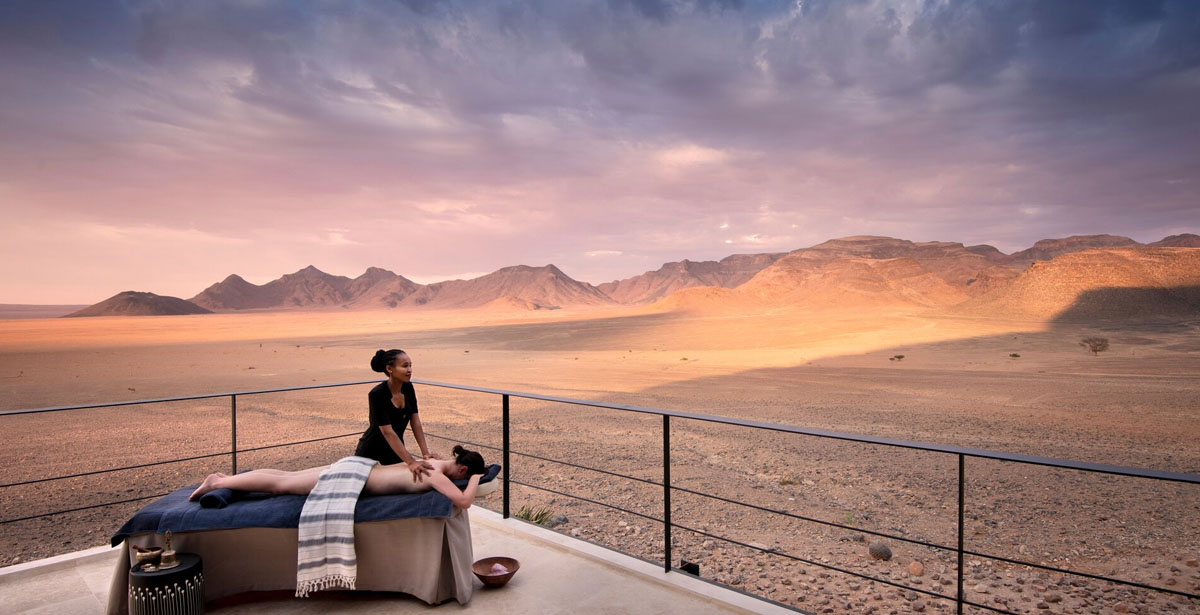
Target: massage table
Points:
(417, 544)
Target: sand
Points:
(958, 383)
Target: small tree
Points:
(1095, 344)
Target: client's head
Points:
(394, 363)
(467, 462)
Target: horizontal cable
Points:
(69, 510)
(806, 561)
(121, 469)
(820, 433)
(1081, 574)
(784, 513)
(836, 435)
(565, 463)
(159, 400)
(760, 549)
(582, 467)
(283, 444)
(170, 461)
(494, 448)
(590, 501)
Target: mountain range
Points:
(860, 271)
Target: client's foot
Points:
(208, 485)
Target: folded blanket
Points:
(174, 512)
(220, 498)
(325, 558)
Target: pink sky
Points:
(163, 146)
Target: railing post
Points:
(507, 467)
(961, 499)
(233, 422)
(666, 493)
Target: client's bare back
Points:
(387, 480)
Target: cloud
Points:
(689, 155)
(485, 134)
(151, 234)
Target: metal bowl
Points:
(483, 570)
(144, 555)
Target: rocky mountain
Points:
(133, 303)
(310, 288)
(1047, 249)
(975, 270)
(371, 279)
(307, 288)
(544, 287)
(800, 279)
(1121, 279)
(380, 288)
(1138, 282)
(651, 286)
(1186, 240)
(864, 270)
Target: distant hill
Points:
(133, 303)
(1047, 249)
(729, 272)
(310, 288)
(546, 287)
(1186, 240)
(800, 279)
(863, 270)
(1129, 281)
(307, 288)
(511, 304)
(1100, 284)
(380, 288)
(975, 269)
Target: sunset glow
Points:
(161, 146)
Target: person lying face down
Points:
(383, 480)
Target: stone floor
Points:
(558, 575)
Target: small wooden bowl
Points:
(483, 570)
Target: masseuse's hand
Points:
(419, 468)
(433, 455)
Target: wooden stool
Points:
(174, 591)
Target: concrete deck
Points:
(558, 575)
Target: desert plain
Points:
(1012, 386)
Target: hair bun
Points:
(458, 449)
(379, 361)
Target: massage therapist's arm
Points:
(419, 435)
(418, 468)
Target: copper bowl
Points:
(483, 570)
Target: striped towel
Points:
(325, 557)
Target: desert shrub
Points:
(535, 514)
(1095, 344)
(1015, 355)
(898, 357)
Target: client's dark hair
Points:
(471, 459)
(384, 358)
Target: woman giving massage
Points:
(383, 480)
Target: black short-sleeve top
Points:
(372, 444)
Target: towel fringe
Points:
(333, 581)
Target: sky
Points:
(162, 145)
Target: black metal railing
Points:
(959, 453)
